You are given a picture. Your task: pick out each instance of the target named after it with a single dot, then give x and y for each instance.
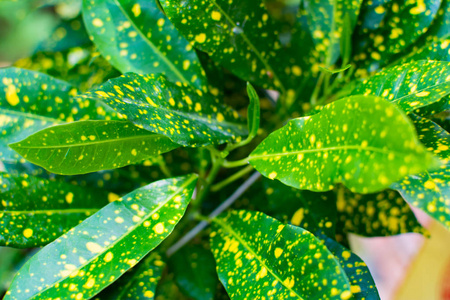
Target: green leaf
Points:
(326, 20)
(31, 101)
(35, 211)
(257, 256)
(342, 144)
(238, 34)
(185, 115)
(194, 272)
(411, 86)
(253, 112)
(89, 146)
(335, 71)
(135, 36)
(430, 191)
(140, 282)
(94, 254)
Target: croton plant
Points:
(217, 149)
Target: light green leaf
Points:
(279, 261)
(89, 146)
(35, 211)
(430, 191)
(342, 144)
(335, 71)
(253, 112)
(135, 36)
(31, 101)
(411, 86)
(187, 116)
(94, 254)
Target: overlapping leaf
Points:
(258, 256)
(135, 36)
(35, 211)
(343, 144)
(31, 101)
(94, 254)
(412, 86)
(430, 191)
(89, 146)
(185, 115)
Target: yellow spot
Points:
(200, 38)
(149, 294)
(24, 183)
(94, 247)
(159, 228)
(346, 254)
(423, 94)
(79, 296)
(11, 95)
(134, 152)
(289, 283)
(28, 233)
(97, 22)
(431, 207)
(296, 70)
(346, 295)
(273, 175)
(186, 64)
(420, 8)
(112, 197)
(216, 16)
(119, 220)
(108, 257)
(220, 117)
(92, 137)
(355, 289)
(430, 185)
(83, 138)
(69, 197)
(278, 252)
(298, 217)
(375, 55)
(136, 10)
(312, 139)
(90, 283)
(379, 9)
(161, 22)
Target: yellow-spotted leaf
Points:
(258, 256)
(135, 36)
(430, 191)
(89, 146)
(423, 85)
(187, 116)
(35, 211)
(31, 101)
(97, 252)
(343, 144)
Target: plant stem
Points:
(236, 163)
(203, 224)
(232, 178)
(163, 167)
(204, 189)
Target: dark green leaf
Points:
(257, 256)
(89, 146)
(135, 36)
(185, 115)
(343, 144)
(35, 211)
(412, 85)
(94, 254)
(195, 272)
(253, 113)
(430, 191)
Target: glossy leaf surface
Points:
(185, 115)
(35, 211)
(280, 261)
(430, 191)
(411, 85)
(89, 146)
(342, 144)
(254, 111)
(135, 36)
(94, 254)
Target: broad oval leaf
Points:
(430, 191)
(342, 144)
(135, 36)
(31, 101)
(89, 146)
(36, 211)
(258, 256)
(95, 253)
(187, 116)
(411, 86)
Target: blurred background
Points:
(49, 36)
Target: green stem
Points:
(317, 89)
(236, 163)
(162, 165)
(232, 178)
(204, 189)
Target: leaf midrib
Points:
(230, 230)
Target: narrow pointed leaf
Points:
(253, 113)
(94, 254)
(279, 261)
(411, 86)
(341, 143)
(31, 101)
(137, 37)
(185, 115)
(430, 191)
(35, 211)
(89, 146)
